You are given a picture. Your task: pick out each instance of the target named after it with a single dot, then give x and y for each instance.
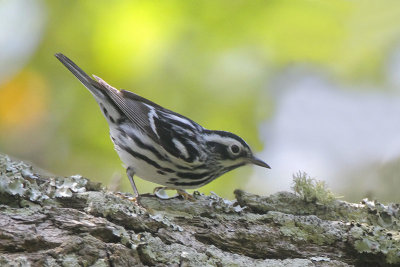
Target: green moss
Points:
(312, 190)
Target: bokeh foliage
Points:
(209, 60)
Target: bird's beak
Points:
(259, 162)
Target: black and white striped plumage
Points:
(160, 145)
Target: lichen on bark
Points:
(71, 221)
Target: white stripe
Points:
(180, 147)
(151, 115)
(221, 139)
(176, 118)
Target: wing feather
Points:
(136, 111)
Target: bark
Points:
(71, 221)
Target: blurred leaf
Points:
(23, 102)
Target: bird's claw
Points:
(185, 195)
(134, 199)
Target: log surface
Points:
(71, 221)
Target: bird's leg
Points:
(130, 173)
(160, 193)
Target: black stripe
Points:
(192, 151)
(182, 167)
(106, 114)
(205, 181)
(104, 110)
(209, 178)
(219, 149)
(202, 166)
(146, 159)
(121, 120)
(228, 169)
(180, 124)
(227, 134)
(142, 145)
(167, 117)
(192, 175)
(201, 182)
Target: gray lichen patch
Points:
(387, 216)
(207, 206)
(127, 213)
(19, 181)
(376, 240)
(152, 251)
(309, 228)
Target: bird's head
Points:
(230, 150)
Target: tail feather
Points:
(93, 86)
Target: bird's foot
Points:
(160, 193)
(185, 195)
(134, 199)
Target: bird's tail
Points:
(94, 87)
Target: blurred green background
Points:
(213, 61)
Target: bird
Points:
(160, 145)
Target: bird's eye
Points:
(235, 149)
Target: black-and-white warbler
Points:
(160, 145)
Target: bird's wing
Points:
(174, 132)
(135, 110)
(105, 94)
